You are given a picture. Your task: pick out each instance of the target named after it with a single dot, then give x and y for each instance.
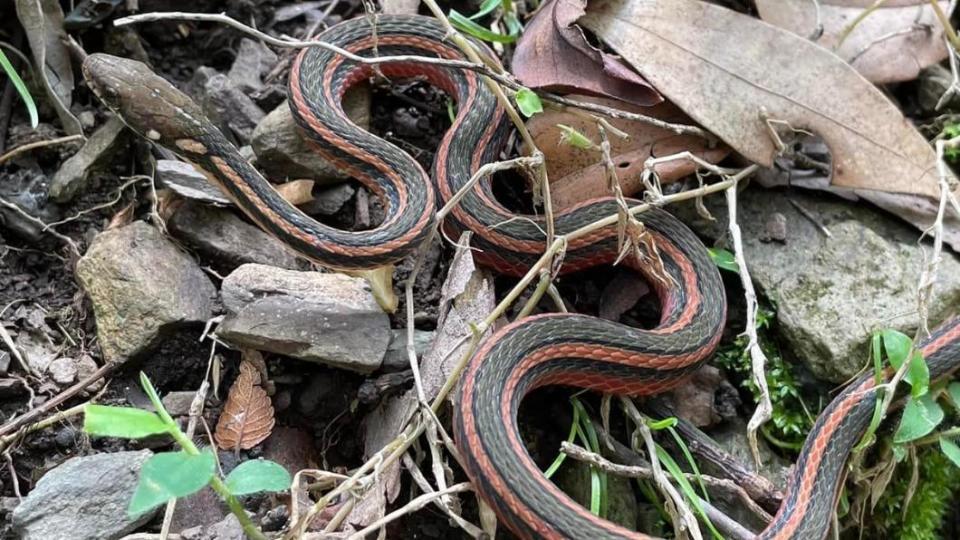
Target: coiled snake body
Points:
(548, 349)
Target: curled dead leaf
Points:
(553, 54)
(770, 81)
(890, 44)
(247, 418)
(124, 216)
(296, 192)
(577, 174)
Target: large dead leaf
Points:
(43, 22)
(247, 417)
(893, 43)
(576, 174)
(553, 54)
(730, 72)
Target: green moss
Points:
(938, 478)
(790, 422)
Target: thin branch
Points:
(758, 360)
(723, 521)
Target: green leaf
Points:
(920, 417)
(574, 138)
(21, 88)
(486, 8)
(897, 345)
(954, 392)
(668, 422)
(528, 102)
(918, 375)
(685, 487)
(951, 450)
(125, 422)
(170, 475)
(555, 466)
(513, 24)
(724, 259)
(466, 25)
(258, 475)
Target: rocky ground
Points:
(145, 267)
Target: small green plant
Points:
(920, 516)
(582, 428)
(170, 475)
(470, 26)
(21, 88)
(951, 131)
(790, 419)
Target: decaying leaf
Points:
(247, 417)
(296, 192)
(124, 216)
(891, 44)
(771, 80)
(576, 174)
(43, 22)
(553, 54)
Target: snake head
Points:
(146, 102)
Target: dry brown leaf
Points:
(553, 54)
(167, 203)
(684, 47)
(43, 22)
(123, 217)
(247, 417)
(296, 192)
(577, 175)
(893, 43)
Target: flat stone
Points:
(72, 175)
(331, 319)
(140, 285)
(226, 238)
(253, 61)
(178, 403)
(329, 200)
(228, 107)
(85, 498)
(832, 293)
(396, 357)
(282, 153)
(187, 181)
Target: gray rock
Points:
(4, 362)
(141, 284)
(328, 201)
(223, 236)
(831, 293)
(253, 61)
(282, 152)
(85, 498)
(63, 371)
(327, 318)
(72, 175)
(87, 366)
(228, 528)
(187, 181)
(178, 403)
(396, 357)
(228, 107)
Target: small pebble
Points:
(86, 366)
(63, 371)
(66, 437)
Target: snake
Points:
(548, 349)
